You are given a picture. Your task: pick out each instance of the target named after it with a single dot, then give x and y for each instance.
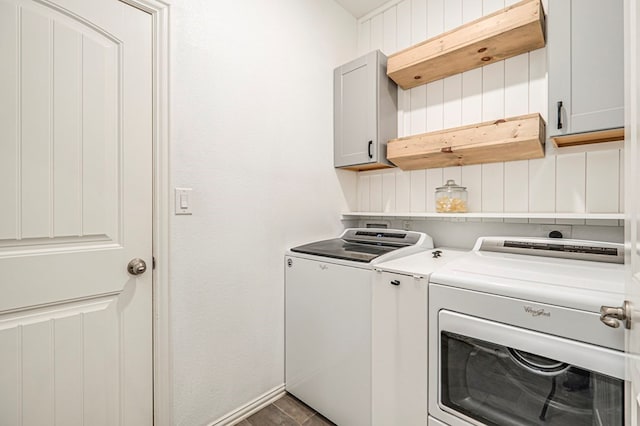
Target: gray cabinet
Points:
(585, 45)
(365, 113)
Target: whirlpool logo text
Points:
(536, 312)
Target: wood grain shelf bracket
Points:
(608, 135)
(509, 32)
(510, 139)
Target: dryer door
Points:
(495, 374)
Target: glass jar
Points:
(451, 198)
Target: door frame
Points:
(162, 364)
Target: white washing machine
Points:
(518, 335)
(328, 291)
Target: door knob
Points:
(136, 266)
(611, 315)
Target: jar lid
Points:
(451, 186)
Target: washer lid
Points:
(338, 248)
(578, 284)
(367, 244)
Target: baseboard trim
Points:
(236, 416)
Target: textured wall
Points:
(252, 134)
(572, 180)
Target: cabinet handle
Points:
(394, 282)
(369, 149)
(559, 114)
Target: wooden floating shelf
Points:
(515, 138)
(509, 32)
(609, 135)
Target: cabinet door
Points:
(585, 65)
(399, 350)
(355, 135)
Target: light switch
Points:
(183, 201)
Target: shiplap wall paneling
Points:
(493, 91)
(389, 191)
(434, 106)
(557, 183)
(364, 37)
(435, 178)
(377, 32)
(570, 183)
(403, 191)
(418, 191)
(389, 30)
(471, 178)
(542, 185)
(516, 195)
(603, 178)
(418, 14)
(516, 102)
(452, 102)
(364, 191)
(490, 6)
(516, 86)
(452, 14)
(538, 82)
(471, 96)
(493, 187)
(403, 40)
(471, 9)
(375, 194)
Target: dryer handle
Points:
(611, 315)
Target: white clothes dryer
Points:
(517, 335)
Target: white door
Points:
(632, 200)
(75, 207)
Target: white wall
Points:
(572, 180)
(252, 134)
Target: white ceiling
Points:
(359, 8)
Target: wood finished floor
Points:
(286, 411)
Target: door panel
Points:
(76, 174)
(68, 159)
(62, 361)
(597, 99)
(585, 61)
